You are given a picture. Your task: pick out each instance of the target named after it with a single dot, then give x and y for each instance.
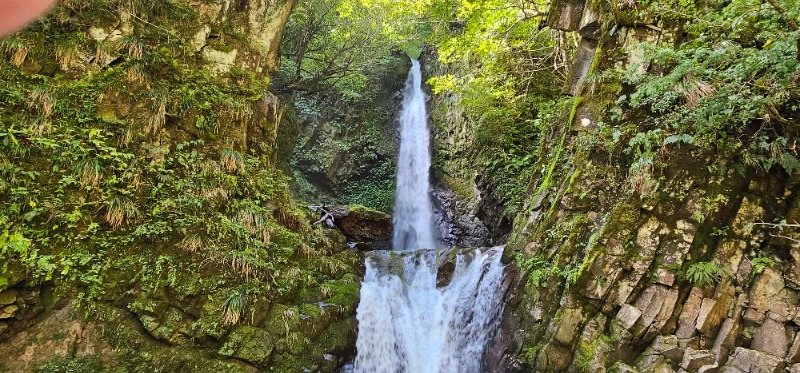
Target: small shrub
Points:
(234, 307)
(760, 263)
(232, 161)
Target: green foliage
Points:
(540, 270)
(84, 364)
(500, 75)
(335, 43)
(123, 182)
(703, 274)
(727, 87)
(345, 154)
(528, 354)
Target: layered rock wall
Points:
(611, 263)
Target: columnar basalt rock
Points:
(630, 305)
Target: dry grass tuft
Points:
(232, 161)
(158, 117)
(119, 210)
(192, 244)
(66, 55)
(234, 307)
(695, 89)
(136, 74)
(288, 314)
(239, 263)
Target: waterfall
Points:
(413, 211)
(408, 325)
(415, 317)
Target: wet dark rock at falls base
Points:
(455, 226)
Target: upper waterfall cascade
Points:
(413, 210)
(409, 320)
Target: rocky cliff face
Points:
(643, 272)
(469, 211)
(347, 146)
(152, 229)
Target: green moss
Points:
(138, 353)
(337, 339)
(572, 180)
(345, 291)
(361, 209)
(82, 364)
(248, 343)
(576, 103)
(594, 249)
(128, 201)
(221, 47)
(623, 216)
(585, 352)
(529, 354)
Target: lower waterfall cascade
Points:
(407, 324)
(413, 317)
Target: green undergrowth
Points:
(128, 180)
(345, 154)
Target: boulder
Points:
(361, 224)
(745, 360)
(794, 352)
(712, 311)
(565, 15)
(662, 352)
(8, 297)
(553, 358)
(621, 367)
(60, 334)
(688, 317)
(8, 311)
(771, 338)
(694, 359)
(628, 315)
(726, 337)
(766, 290)
(248, 343)
(571, 320)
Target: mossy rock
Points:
(325, 354)
(362, 224)
(344, 292)
(250, 344)
(11, 274)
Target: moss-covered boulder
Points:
(362, 224)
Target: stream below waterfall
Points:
(413, 316)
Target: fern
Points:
(703, 274)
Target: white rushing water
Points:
(406, 323)
(413, 211)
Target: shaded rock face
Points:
(456, 225)
(20, 302)
(627, 303)
(346, 149)
(63, 333)
(467, 209)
